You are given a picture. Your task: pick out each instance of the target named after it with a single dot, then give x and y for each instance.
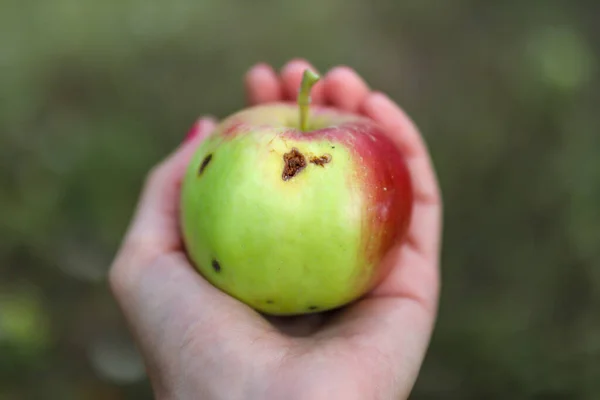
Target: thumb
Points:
(155, 226)
(154, 229)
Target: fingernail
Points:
(200, 125)
(341, 70)
(261, 66)
(260, 70)
(297, 64)
(380, 101)
(380, 96)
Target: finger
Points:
(291, 78)
(425, 230)
(262, 85)
(154, 228)
(167, 304)
(413, 265)
(344, 89)
(395, 321)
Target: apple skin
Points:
(289, 245)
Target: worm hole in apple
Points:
(294, 162)
(216, 265)
(205, 163)
(322, 160)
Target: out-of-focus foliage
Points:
(92, 93)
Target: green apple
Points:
(290, 208)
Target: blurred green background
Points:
(93, 93)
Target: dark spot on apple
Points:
(205, 162)
(270, 302)
(312, 308)
(294, 162)
(216, 266)
(333, 147)
(321, 161)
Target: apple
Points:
(290, 208)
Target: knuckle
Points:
(135, 252)
(138, 253)
(119, 276)
(116, 279)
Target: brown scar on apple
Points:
(322, 160)
(205, 162)
(215, 264)
(294, 162)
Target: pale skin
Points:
(199, 343)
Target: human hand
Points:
(199, 343)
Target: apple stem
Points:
(308, 80)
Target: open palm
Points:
(200, 343)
